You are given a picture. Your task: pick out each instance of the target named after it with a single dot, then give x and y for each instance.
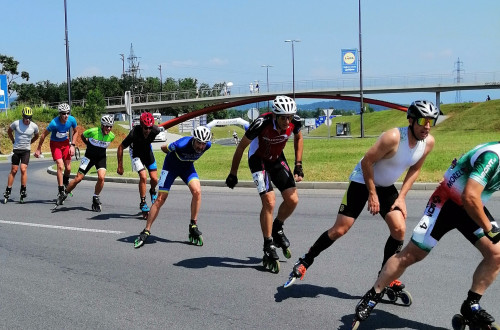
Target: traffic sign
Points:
(4, 92)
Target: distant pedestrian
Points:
(251, 88)
(257, 88)
(488, 98)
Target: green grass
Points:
(467, 125)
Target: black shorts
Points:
(356, 196)
(87, 163)
(277, 172)
(20, 156)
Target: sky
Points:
(222, 41)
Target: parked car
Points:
(162, 136)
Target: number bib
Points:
(258, 179)
(137, 164)
(84, 163)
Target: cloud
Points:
(183, 63)
(90, 72)
(217, 61)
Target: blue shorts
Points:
(170, 172)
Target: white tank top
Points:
(387, 171)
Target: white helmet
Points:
(107, 120)
(284, 105)
(422, 109)
(202, 134)
(63, 107)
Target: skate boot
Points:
(195, 235)
(23, 195)
(6, 194)
(396, 290)
(298, 271)
(144, 209)
(280, 240)
(365, 307)
(154, 195)
(271, 259)
(474, 316)
(143, 236)
(96, 204)
(61, 197)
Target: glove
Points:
(298, 170)
(231, 181)
(494, 235)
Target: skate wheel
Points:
(355, 324)
(196, 241)
(406, 298)
(275, 267)
(391, 295)
(145, 215)
(495, 326)
(458, 322)
(287, 253)
(5, 200)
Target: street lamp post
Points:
(293, 64)
(267, 80)
(161, 79)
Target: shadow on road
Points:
(151, 240)
(384, 320)
(310, 291)
(204, 262)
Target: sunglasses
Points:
(424, 121)
(27, 117)
(64, 113)
(106, 126)
(146, 128)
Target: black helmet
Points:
(422, 109)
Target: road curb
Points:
(251, 184)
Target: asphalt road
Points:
(77, 269)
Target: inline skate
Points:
(143, 236)
(195, 235)
(144, 209)
(270, 260)
(96, 204)
(280, 240)
(154, 195)
(6, 195)
(298, 271)
(396, 290)
(61, 197)
(22, 195)
(365, 307)
(474, 316)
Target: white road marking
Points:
(61, 227)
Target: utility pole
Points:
(161, 79)
(123, 64)
(362, 108)
(458, 66)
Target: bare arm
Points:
(471, 198)
(10, 133)
(238, 154)
(411, 177)
(385, 147)
(119, 156)
(40, 143)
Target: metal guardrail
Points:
(383, 82)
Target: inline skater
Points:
(97, 140)
(372, 180)
(22, 133)
(141, 154)
(267, 137)
(458, 203)
(179, 162)
(61, 147)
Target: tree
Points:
(8, 66)
(95, 106)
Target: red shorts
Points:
(60, 150)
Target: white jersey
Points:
(387, 171)
(23, 134)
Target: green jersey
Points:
(98, 142)
(481, 164)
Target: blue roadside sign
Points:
(4, 92)
(349, 60)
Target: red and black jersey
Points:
(267, 143)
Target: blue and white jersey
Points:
(59, 131)
(182, 150)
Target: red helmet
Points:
(147, 119)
